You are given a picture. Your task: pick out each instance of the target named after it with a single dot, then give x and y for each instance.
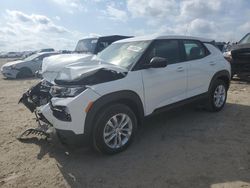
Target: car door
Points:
(200, 67)
(167, 85)
(36, 63)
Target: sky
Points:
(36, 24)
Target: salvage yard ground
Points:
(187, 148)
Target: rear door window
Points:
(194, 50)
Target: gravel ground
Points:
(181, 148)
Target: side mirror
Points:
(157, 62)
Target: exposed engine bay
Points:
(36, 96)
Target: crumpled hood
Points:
(91, 72)
(13, 63)
(52, 65)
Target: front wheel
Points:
(24, 73)
(217, 96)
(114, 129)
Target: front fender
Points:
(127, 97)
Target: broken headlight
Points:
(60, 91)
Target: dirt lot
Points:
(186, 148)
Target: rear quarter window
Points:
(194, 50)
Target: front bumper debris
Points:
(36, 96)
(44, 129)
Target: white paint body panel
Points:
(76, 107)
(201, 71)
(163, 86)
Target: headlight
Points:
(58, 91)
(10, 67)
(7, 68)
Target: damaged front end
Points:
(69, 83)
(36, 96)
(44, 128)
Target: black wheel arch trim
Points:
(219, 75)
(122, 97)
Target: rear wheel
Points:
(114, 129)
(24, 73)
(217, 96)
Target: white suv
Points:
(104, 100)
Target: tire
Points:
(24, 73)
(103, 126)
(217, 96)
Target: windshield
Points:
(123, 54)
(32, 57)
(245, 39)
(86, 45)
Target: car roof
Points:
(107, 37)
(155, 37)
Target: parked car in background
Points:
(65, 51)
(46, 50)
(26, 54)
(239, 57)
(2, 54)
(26, 67)
(11, 55)
(103, 101)
(85, 48)
(22, 54)
(220, 45)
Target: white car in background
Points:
(26, 67)
(103, 101)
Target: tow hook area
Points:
(43, 130)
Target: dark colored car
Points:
(220, 45)
(239, 57)
(46, 50)
(96, 44)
